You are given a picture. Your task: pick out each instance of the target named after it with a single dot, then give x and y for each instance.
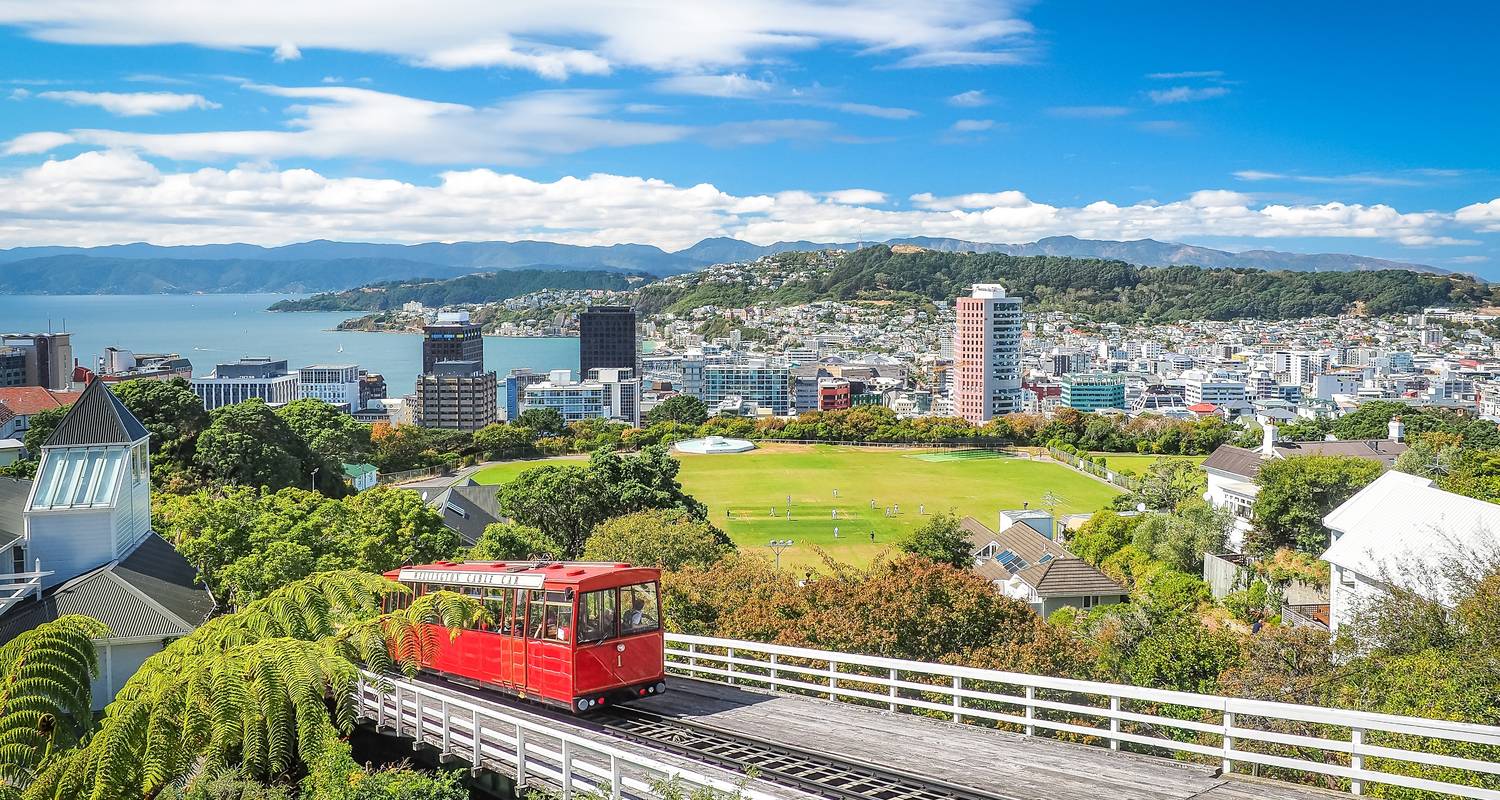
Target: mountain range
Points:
(330, 266)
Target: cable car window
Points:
(494, 605)
(596, 616)
(535, 616)
(639, 610)
(518, 611)
(551, 616)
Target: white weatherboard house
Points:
(1403, 530)
(78, 540)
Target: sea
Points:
(211, 328)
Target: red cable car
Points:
(578, 635)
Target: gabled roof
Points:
(1234, 460)
(1049, 568)
(28, 400)
(97, 417)
(1069, 577)
(153, 592)
(1246, 463)
(468, 509)
(1403, 529)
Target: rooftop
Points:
(28, 400)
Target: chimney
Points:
(1268, 440)
(1397, 429)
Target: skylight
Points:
(80, 478)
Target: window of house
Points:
(639, 609)
(597, 616)
(1346, 577)
(1089, 601)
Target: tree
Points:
(40, 427)
(565, 502)
(942, 539)
(500, 440)
(684, 409)
(171, 411)
(247, 443)
(1296, 493)
(544, 422)
(507, 541)
(45, 703)
(667, 538)
(333, 435)
(1180, 539)
(393, 526)
(1165, 484)
(1101, 536)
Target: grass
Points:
(1138, 463)
(742, 490)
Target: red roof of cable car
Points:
(555, 572)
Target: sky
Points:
(1367, 128)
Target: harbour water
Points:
(223, 327)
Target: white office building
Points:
(247, 379)
(756, 382)
(335, 384)
(1201, 388)
(607, 394)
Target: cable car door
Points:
(515, 673)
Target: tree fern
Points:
(45, 696)
(248, 693)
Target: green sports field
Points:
(747, 493)
(1138, 463)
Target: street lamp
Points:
(778, 545)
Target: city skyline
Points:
(988, 121)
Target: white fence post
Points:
(958, 700)
(475, 739)
(567, 770)
(894, 678)
(1114, 722)
(833, 679)
(1030, 710)
(692, 657)
(1226, 766)
(520, 759)
(1356, 759)
(447, 730)
(729, 665)
(416, 737)
(773, 670)
(616, 780)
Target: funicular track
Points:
(833, 776)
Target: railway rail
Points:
(837, 778)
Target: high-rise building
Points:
(12, 366)
(755, 383)
(48, 358)
(335, 384)
(246, 379)
(371, 388)
(606, 339)
(1093, 391)
(452, 338)
(987, 354)
(604, 394)
(455, 394)
(515, 389)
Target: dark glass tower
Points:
(606, 339)
(452, 338)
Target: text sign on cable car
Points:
(510, 579)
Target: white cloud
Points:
(116, 196)
(728, 85)
(883, 112)
(1088, 112)
(970, 99)
(286, 51)
(1185, 94)
(733, 134)
(556, 38)
(857, 197)
(132, 104)
(40, 142)
(1358, 178)
(972, 125)
(1481, 216)
(1188, 75)
(353, 122)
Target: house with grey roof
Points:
(1027, 566)
(1231, 470)
(467, 508)
(78, 540)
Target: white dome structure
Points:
(710, 445)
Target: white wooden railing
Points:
(536, 755)
(1239, 734)
(18, 586)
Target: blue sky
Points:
(1311, 127)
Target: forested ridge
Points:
(1102, 289)
(480, 287)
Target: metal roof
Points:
(13, 492)
(468, 509)
(1402, 529)
(97, 417)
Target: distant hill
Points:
(332, 266)
(479, 287)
